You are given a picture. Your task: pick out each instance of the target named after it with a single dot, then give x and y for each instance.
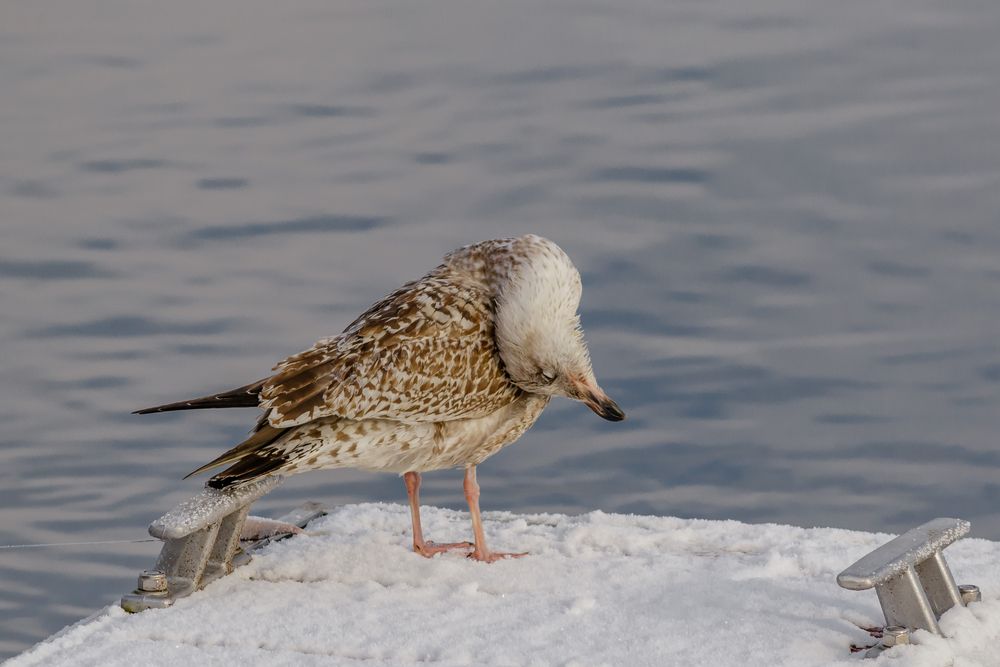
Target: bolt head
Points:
(152, 581)
(970, 593)
(894, 635)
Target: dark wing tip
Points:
(184, 405)
(247, 396)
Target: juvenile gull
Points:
(442, 373)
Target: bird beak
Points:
(595, 399)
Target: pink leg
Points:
(481, 552)
(425, 549)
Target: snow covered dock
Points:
(598, 589)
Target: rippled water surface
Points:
(786, 214)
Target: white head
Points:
(538, 329)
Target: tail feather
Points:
(264, 435)
(248, 468)
(242, 397)
(251, 459)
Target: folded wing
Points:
(424, 353)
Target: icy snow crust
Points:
(598, 589)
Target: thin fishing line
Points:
(75, 544)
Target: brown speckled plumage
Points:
(424, 353)
(441, 373)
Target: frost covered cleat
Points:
(912, 580)
(206, 537)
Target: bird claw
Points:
(257, 528)
(493, 556)
(430, 549)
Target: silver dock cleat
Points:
(912, 580)
(202, 542)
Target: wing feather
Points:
(424, 353)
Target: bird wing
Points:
(424, 353)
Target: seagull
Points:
(442, 373)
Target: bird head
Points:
(538, 329)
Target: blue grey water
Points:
(786, 214)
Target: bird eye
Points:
(549, 376)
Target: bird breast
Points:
(384, 445)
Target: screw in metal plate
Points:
(970, 593)
(894, 635)
(152, 581)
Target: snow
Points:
(597, 589)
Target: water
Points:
(786, 216)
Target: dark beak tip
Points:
(609, 410)
(613, 414)
(603, 406)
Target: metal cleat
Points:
(202, 542)
(912, 580)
